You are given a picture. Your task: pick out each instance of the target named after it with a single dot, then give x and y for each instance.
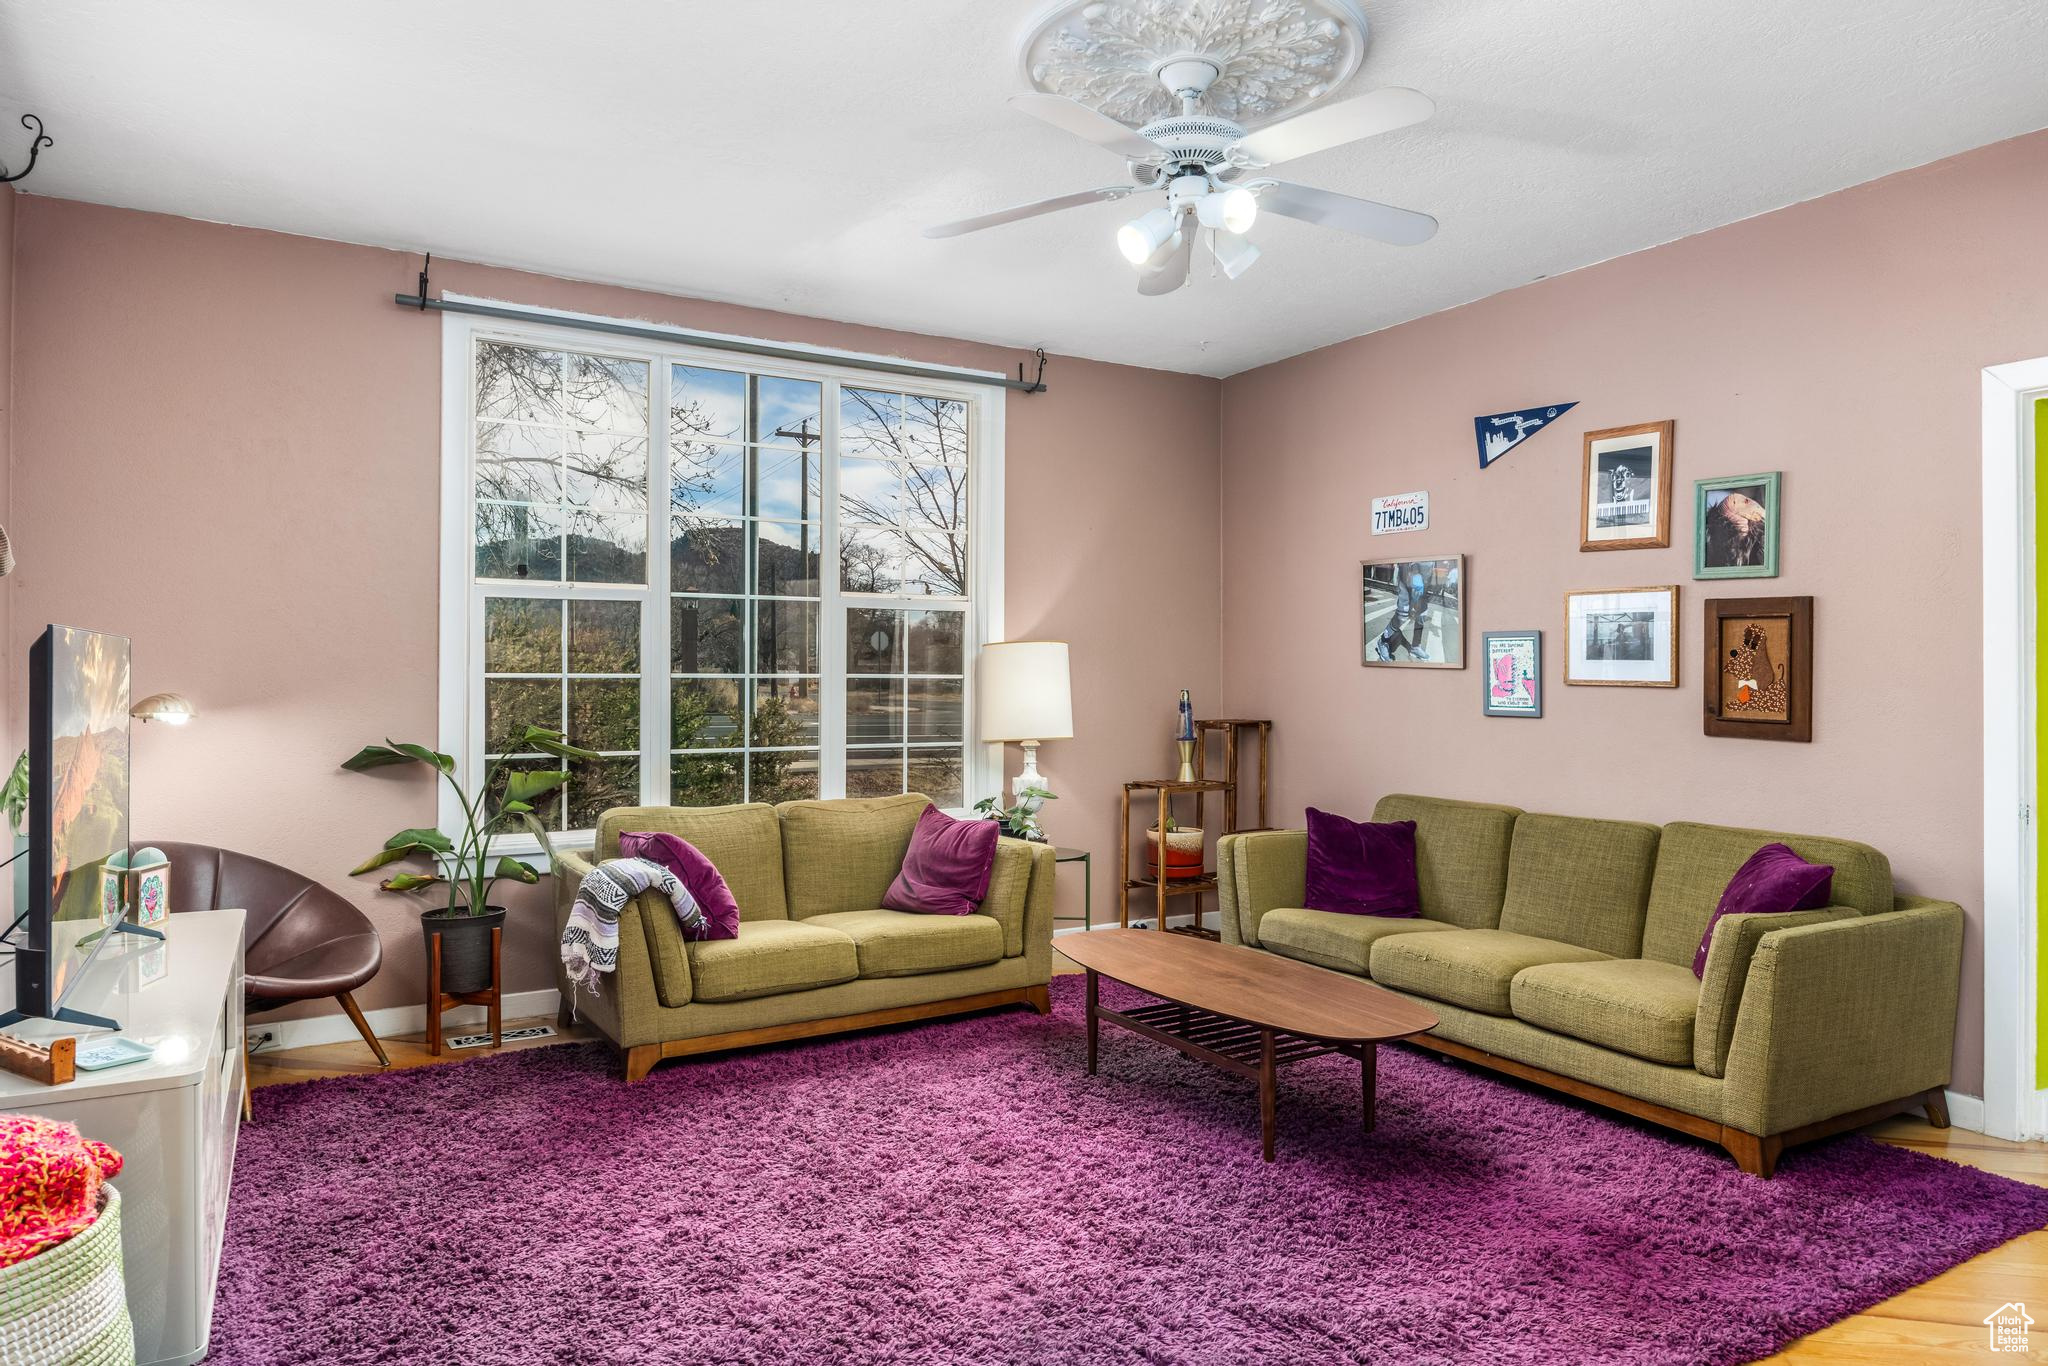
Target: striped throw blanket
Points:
(590, 941)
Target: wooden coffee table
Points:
(1243, 1009)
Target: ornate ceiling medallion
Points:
(1274, 57)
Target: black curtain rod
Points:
(675, 334)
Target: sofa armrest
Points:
(626, 1000)
(1727, 971)
(1840, 1016)
(1256, 872)
(1027, 920)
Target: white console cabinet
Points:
(172, 1118)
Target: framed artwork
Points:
(1759, 682)
(1412, 612)
(1622, 637)
(1735, 527)
(1514, 673)
(1625, 501)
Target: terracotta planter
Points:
(1183, 853)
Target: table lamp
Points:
(1024, 697)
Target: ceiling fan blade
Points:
(1054, 205)
(1085, 123)
(1174, 272)
(1402, 227)
(1333, 125)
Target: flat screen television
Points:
(77, 816)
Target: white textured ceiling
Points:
(787, 154)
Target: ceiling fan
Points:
(1208, 169)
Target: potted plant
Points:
(1019, 822)
(1183, 851)
(463, 865)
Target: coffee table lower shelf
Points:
(1234, 1045)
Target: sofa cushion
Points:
(1361, 867)
(946, 868)
(698, 875)
(842, 855)
(1775, 881)
(1695, 862)
(1333, 939)
(1461, 855)
(1473, 968)
(909, 944)
(770, 957)
(1632, 1005)
(743, 842)
(1581, 881)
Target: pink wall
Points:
(8, 701)
(256, 428)
(1838, 341)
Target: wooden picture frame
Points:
(1516, 690)
(1749, 691)
(1729, 547)
(1618, 459)
(1383, 636)
(1605, 627)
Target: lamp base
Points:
(1029, 781)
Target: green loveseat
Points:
(1559, 950)
(816, 954)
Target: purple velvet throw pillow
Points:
(1773, 881)
(695, 872)
(1361, 868)
(947, 868)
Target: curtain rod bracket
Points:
(425, 265)
(1035, 386)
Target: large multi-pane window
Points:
(733, 582)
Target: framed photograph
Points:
(1514, 673)
(1622, 637)
(1735, 527)
(1413, 612)
(1625, 501)
(1759, 682)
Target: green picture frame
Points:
(1730, 546)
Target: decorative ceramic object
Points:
(1183, 853)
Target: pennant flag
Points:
(1500, 433)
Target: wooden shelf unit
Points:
(1162, 888)
(1229, 730)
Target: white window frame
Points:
(461, 594)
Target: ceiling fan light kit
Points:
(1187, 73)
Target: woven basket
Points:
(67, 1305)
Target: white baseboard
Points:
(2035, 1116)
(1136, 922)
(395, 1020)
(1965, 1112)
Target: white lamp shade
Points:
(1023, 693)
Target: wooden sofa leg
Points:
(1757, 1156)
(1935, 1102)
(640, 1060)
(1041, 998)
(355, 1015)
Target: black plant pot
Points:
(465, 947)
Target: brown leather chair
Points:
(301, 941)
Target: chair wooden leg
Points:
(1935, 1102)
(1041, 999)
(355, 1015)
(248, 1088)
(640, 1060)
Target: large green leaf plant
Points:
(460, 864)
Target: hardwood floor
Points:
(1934, 1323)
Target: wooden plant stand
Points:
(1161, 886)
(1229, 730)
(438, 1001)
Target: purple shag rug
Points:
(962, 1192)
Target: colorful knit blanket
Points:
(590, 941)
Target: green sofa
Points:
(816, 954)
(1559, 950)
